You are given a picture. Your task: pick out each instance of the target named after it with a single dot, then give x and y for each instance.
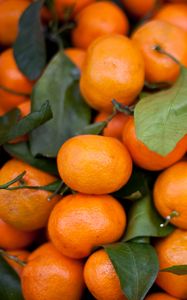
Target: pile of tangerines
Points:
(59, 238)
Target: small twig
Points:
(162, 51)
(172, 215)
(17, 179)
(56, 192)
(128, 110)
(12, 257)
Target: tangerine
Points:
(113, 69)
(79, 222)
(93, 164)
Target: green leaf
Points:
(136, 265)
(70, 112)
(161, 118)
(144, 221)
(9, 119)
(29, 48)
(10, 288)
(95, 128)
(13, 130)
(135, 188)
(22, 151)
(178, 270)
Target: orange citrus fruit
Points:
(170, 193)
(12, 238)
(160, 296)
(76, 55)
(98, 19)
(113, 69)
(51, 276)
(172, 39)
(11, 11)
(171, 251)
(93, 164)
(175, 14)
(139, 8)
(115, 126)
(25, 209)
(25, 108)
(22, 255)
(101, 278)
(146, 158)
(14, 86)
(70, 7)
(79, 222)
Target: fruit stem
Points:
(162, 51)
(172, 215)
(128, 110)
(58, 189)
(19, 179)
(12, 257)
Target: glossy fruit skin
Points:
(115, 126)
(160, 296)
(98, 19)
(101, 278)
(12, 238)
(79, 222)
(25, 209)
(139, 8)
(11, 11)
(170, 193)
(159, 67)
(76, 55)
(50, 275)
(25, 108)
(13, 80)
(175, 14)
(144, 157)
(2, 111)
(172, 250)
(93, 164)
(75, 5)
(113, 69)
(22, 255)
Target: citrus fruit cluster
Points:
(93, 135)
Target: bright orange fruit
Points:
(79, 222)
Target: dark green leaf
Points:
(25, 125)
(10, 288)
(143, 240)
(29, 48)
(95, 128)
(8, 120)
(160, 118)
(137, 267)
(135, 188)
(178, 270)
(22, 151)
(144, 221)
(70, 112)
